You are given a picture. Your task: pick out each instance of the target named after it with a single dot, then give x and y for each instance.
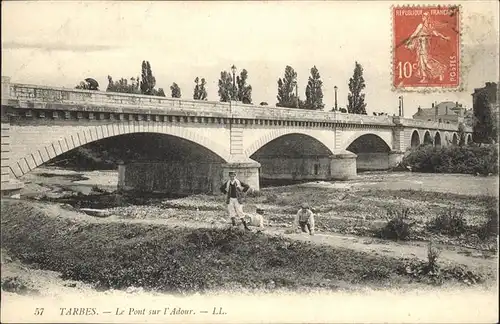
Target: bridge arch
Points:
(275, 134)
(369, 143)
(455, 139)
(427, 138)
(437, 139)
(415, 139)
(469, 139)
(372, 152)
(292, 156)
(90, 134)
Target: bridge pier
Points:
(338, 166)
(343, 165)
(395, 157)
(378, 160)
(179, 177)
(247, 170)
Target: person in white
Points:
(234, 189)
(305, 218)
(428, 66)
(255, 219)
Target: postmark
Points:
(426, 48)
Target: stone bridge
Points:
(40, 123)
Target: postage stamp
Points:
(426, 48)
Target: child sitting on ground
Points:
(255, 219)
(305, 218)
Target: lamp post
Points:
(297, 93)
(233, 69)
(401, 111)
(335, 88)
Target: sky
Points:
(61, 43)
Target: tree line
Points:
(232, 87)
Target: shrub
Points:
(490, 227)
(432, 257)
(16, 285)
(398, 226)
(451, 222)
(471, 159)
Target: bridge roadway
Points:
(260, 142)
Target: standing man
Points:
(234, 190)
(305, 218)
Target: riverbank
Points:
(343, 257)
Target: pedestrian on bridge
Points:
(305, 218)
(234, 189)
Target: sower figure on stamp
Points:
(305, 218)
(428, 66)
(234, 190)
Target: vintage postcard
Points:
(249, 161)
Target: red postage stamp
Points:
(426, 47)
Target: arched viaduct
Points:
(40, 123)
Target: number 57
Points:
(38, 311)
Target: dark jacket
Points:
(239, 190)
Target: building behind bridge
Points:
(445, 112)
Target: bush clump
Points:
(470, 159)
(430, 271)
(398, 226)
(17, 286)
(490, 227)
(451, 222)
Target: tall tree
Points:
(484, 129)
(286, 89)
(225, 86)
(123, 86)
(355, 98)
(200, 92)
(244, 93)
(176, 91)
(148, 81)
(82, 86)
(159, 92)
(88, 84)
(314, 92)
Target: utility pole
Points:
(233, 69)
(335, 88)
(297, 93)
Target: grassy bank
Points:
(122, 254)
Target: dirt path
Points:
(476, 260)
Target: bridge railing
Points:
(45, 94)
(427, 124)
(251, 111)
(38, 93)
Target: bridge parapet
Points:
(116, 102)
(255, 112)
(45, 97)
(407, 122)
(43, 94)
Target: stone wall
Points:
(172, 177)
